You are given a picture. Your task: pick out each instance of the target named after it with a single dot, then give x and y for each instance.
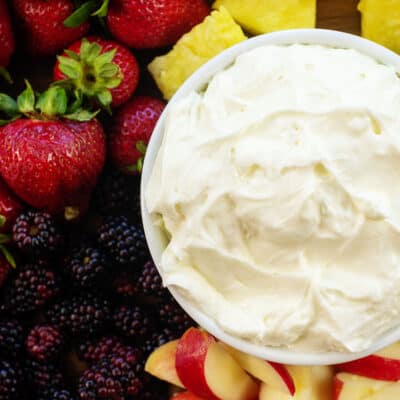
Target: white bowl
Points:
(155, 237)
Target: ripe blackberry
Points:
(8, 381)
(124, 242)
(5, 269)
(150, 282)
(44, 342)
(58, 394)
(125, 283)
(157, 339)
(114, 377)
(11, 338)
(43, 377)
(86, 266)
(133, 322)
(82, 315)
(36, 233)
(94, 350)
(114, 192)
(32, 287)
(173, 316)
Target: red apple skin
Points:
(185, 396)
(190, 358)
(373, 366)
(284, 374)
(337, 388)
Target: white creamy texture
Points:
(280, 188)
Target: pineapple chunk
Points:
(216, 33)
(265, 16)
(381, 22)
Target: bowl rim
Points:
(157, 241)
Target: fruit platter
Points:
(84, 311)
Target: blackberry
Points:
(133, 322)
(9, 381)
(36, 233)
(44, 342)
(157, 339)
(86, 266)
(42, 377)
(150, 282)
(11, 338)
(114, 377)
(58, 394)
(114, 193)
(94, 350)
(33, 287)
(82, 315)
(124, 242)
(173, 316)
(125, 283)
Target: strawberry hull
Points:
(52, 165)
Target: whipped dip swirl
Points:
(279, 189)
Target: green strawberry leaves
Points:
(4, 239)
(6, 75)
(89, 8)
(91, 73)
(141, 147)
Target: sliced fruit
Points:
(265, 16)
(209, 371)
(161, 363)
(312, 382)
(216, 33)
(384, 365)
(353, 387)
(381, 22)
(273, 374)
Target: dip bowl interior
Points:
(156, 238)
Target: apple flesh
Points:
(270, 393)
(273, 374)
(353, 387)
(384, 365)
(207, 370)
(161, 364)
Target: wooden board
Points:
(341, 15)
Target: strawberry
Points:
(153, 23)
(131, 131)
(6, 39)
(43, 24)
(51, 158)
(10, 208)
(99, 68)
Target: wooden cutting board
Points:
(341, 15)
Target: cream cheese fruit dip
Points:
(279, 188)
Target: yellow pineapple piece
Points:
(263, 16)
(381, 22)
(216, 33)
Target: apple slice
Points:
(312, 382)
(353, 387)
(209, 371)
(273, 374)
(270, 393)
(185, 396)
(161, 363)
(384, 365)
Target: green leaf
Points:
(8, 105)
(104, 97)
(77, 102)
(89, 51)
(82, 115)
(141, 147)
(3, 220)
(81, 14)
(113, 83)
(103, 10)
(53, 101)
(6, 75)
(4, 238)
(4, 122)
(26, 100)
(8, 256)
(108, 71)
(72, 54)
(70, 67)
(105, 58)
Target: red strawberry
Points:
(6, 39)
(49, 161)
(132, 128)
(111, 79)
(153, 23)
(43, 24)
(10, 208)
